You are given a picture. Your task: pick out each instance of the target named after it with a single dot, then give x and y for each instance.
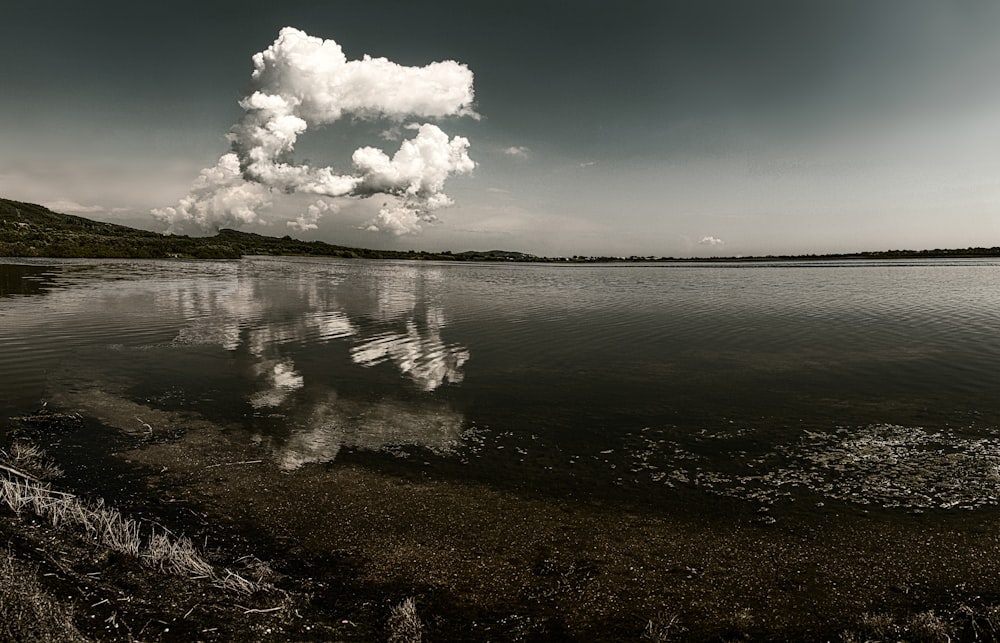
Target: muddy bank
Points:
(350, 539)
(591, 571)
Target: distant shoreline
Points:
(33, 231)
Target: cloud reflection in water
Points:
(391, 312)
(419, 354)
(337, 423)
(280, 380)
(277, 328)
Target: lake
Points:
(865, 382)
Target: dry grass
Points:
(117, 532)
(233, 582)
(404, 624)
(928, 626)
(175, 555)
(665, 627)
(29, 612)
(919, 627)
(29, 458)
(161, 550)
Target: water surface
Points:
(872, 383)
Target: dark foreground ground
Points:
(338, 548)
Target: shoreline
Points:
(349, 543)
(30, 230)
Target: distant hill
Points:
(30, 230)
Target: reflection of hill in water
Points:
(21, 280)
(259, 343)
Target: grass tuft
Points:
(28, 457)
(920, 627)
(160, 550)
(404, 624)
(175, 555)
(235, 583)
(930, 627)
(665, 627)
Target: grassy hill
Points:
(30, 230)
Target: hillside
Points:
(30, 230)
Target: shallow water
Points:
(869, 383)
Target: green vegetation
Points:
(30, 230)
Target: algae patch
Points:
(883, 465)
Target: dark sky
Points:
(672, 128)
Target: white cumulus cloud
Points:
(219, 197)
(711, 241)
(309, 219)
(302, 82)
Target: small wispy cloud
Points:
(393, 133)
(518, 151)
(65, 205)
(713, 242)
(588, 164)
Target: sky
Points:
(592, 127)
